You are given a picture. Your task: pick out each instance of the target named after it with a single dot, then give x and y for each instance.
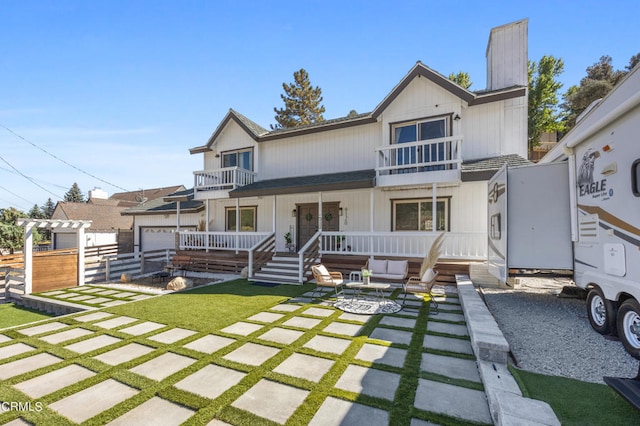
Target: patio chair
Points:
(324, 278)
(421, 285)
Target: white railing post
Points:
(107, 268)
(141, 263)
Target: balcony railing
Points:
(241, 241)
(441, 158)
(225, 179)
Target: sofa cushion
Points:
(321, 269)
(397, 267)
(378, 266)
(428, 275)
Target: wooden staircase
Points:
(282, 268)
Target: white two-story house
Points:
(384, 183)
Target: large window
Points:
(417, 215)
(247, 219)
(423, 130)
(242, 158)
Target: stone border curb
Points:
(506, 403)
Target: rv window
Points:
(635, 177)
(495, 227)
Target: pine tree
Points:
(74, 195)
(461, 79)
(36, 212)
(48, 208)
(302, 103)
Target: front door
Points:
(307, 222)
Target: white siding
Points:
(507, 56)
(189, 220)
(232, 137)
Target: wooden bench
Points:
(179, 263)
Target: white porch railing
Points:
(440, 154)
(457, 245)
(224, 179)
(242, 241)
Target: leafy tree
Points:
(12, 235)
(461, 79)
(48, 208)
(302, 103)
(544, 115)
(600, 79)
(74, 194)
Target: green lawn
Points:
(12, 315)
(576, 402)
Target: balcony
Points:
(217, 183)
(419, 163)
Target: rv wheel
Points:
(629, 327)
(601, 312)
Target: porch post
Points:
(434, 204)
(320, 211)
(80, 240)
(178, 216)
(28, 257)
(206, 226)
(273, 225)
(237, 223)
(372, 209)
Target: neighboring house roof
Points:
(260, 134)
(485, 168)
(168, 205)
(301, 184)
(133, 198)
(103, 216)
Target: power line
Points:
(28, 178)
(60, 159)
(35, 179)
(17, 195)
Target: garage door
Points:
(157, 239)
(64, 240)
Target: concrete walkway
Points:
(318, 340)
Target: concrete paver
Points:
(157, 412)
(456, 368)
(301, 322)
(369, 381)
(267, 317)
(93, 316)
(124, 354)
(25, 365)
(163, 366)
(334, 411)
(392, 336)
(115, 322)
(305, 367)
(210, 381)
(281, 335)
(455, 401)
(18, 422)
(398, 322)
(449, 344)
(251, 354)
(4, 338)
(343, 328)
(347, 316)
(441, 327)
(63, 336)
(92, 344)
(448, 316)
(259, 400)
(328, 344)
(122, 294)
(209, 344)
(318, 312)
(142, 328)
(15, 349)
(67, 295)
(91, 401)
(80, 298)
(43, 328)
(57, 379)
(285, 307)
(382, 355)
(96, 300)
(242, 328)
(113, 303)
(173, 335)
(89, 289)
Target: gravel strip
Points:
(551, 335)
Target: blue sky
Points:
(122, 89)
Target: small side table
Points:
(355, 276)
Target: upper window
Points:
(424, 130)
(416, 215)
(242, 158)
(635, 178)
(247, 219)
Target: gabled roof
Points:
(104, 217)
(133, 198)
(168, 205)
(419, 70)
(250, 127)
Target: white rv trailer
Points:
(602, 186)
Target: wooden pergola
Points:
(29, 224)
